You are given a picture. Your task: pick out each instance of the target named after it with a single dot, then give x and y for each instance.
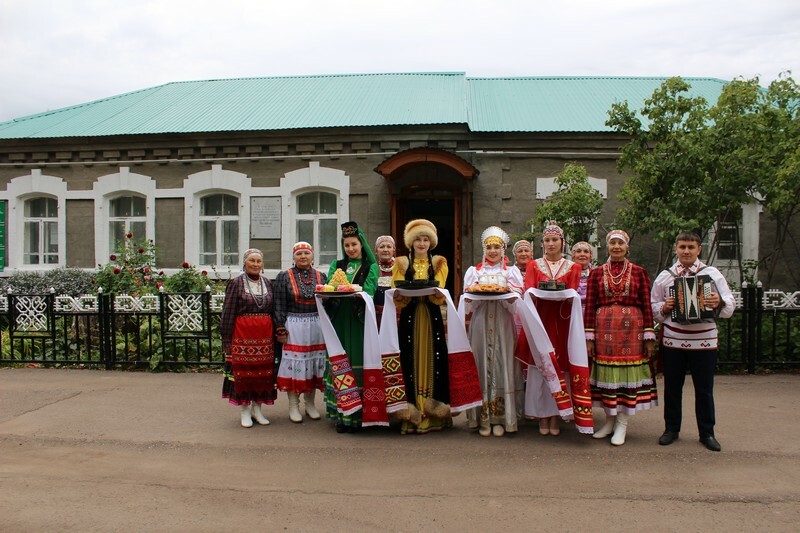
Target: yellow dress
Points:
(423, 347)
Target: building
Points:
(209, 168)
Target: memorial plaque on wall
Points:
(265, 217)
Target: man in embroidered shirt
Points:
(692, 346)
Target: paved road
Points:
(85, 450)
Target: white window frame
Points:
(214, 181)
(218, 225)
(21, 189)
(42, 222)
(313, 178)
(749, 233)
(316, 218)
(110, 187)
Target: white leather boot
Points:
(620, 429)
(607, 428)
(311, 409)
(294, 408)
(247, 421)
(258, 416)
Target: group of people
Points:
(562, 337)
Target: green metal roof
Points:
(536, 104)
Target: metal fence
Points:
(171, 330)
(104, 330)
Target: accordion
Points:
(690, 295)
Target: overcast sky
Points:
(57, 53)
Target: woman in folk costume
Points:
(582, 254)
(555, 316)
(619, 338)
(347, 317)
(523, 254)
(247, 341)
(303, 355)
(384, 250)
(492, 335)
(423, 345)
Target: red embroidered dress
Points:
(247, 341)
(618, 318)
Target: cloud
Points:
(59, 53)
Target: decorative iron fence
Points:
(169, 329)
(173, 330)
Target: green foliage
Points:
(575, 206)
(189, 279)
(130, 271)
(695, 165)
(671, 164)
(64, 280)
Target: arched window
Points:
(40, 225)
(126, 214)
(219, 229)
(317, 221)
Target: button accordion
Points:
(690, 295)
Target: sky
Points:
(57, 53)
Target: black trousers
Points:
(701, 364)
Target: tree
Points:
(675, 185)
(756, 136)
(575, 206)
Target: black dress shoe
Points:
(667, 438)
(711, 443)
(340, 428)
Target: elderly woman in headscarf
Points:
(582, 254)
(303, 354)
(492, 336)
(347, 317)
(384, 250)
(619, 338)
(423, 346)
(523, 254)
(246, 328)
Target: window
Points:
(41, 231)
(219, 230)
(317, 223)
(127, 214)
(729, 238)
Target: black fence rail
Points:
(167, 329)
(175, 330)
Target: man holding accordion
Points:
(687, 298)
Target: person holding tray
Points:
(303, 355)
(619, 338)
(247, 341)
(551, 272)
(347, 316)
(423, 345)
(492, 334)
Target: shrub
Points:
(131, 270)
(63, 280)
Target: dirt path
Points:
(88, 450)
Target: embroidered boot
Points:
(620, 429)
(258, 416)
(607, 429)
(247, 421)
(311, 409)
(294, 408)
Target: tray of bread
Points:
(488, 288)
(338, 285)
(416, 284)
